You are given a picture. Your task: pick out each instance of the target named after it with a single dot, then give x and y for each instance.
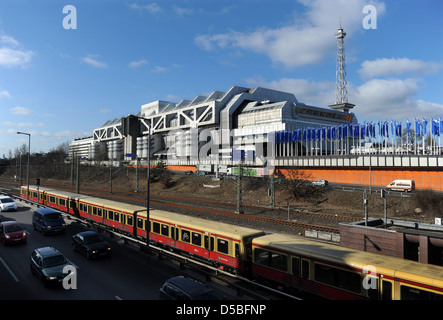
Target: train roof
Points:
(387, 265)
(210, 226)
(116, 205)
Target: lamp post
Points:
(29, 153)
(148, 191)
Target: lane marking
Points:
(9, 270)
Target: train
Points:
(291, 263)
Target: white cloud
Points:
(14, 58)
(9, 40)
(306, 41)
(181, 12)
(151, 7)
(391, 99)
(93, 61)
(21, 111)
(397, 66)
(5, 94)
(136, 64)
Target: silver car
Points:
(7, 204)
(320, 183)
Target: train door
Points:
(386, 289)
(296, 272)
(209, 245)
(175, 235)
(73, 207)
(305, 273)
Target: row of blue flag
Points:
(362, 131)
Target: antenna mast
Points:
(341, 93)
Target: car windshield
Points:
(6, 200)
(95, 238)
(13, 228)
(54, 261)
(53, 217)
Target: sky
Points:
(68, 66)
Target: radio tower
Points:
(341, 93)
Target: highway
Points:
(128, 274)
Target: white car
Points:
(320, 183)
(7, 204)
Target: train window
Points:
(123, 218)
(261, 257)
(99, 212)
(130, 221)
(222, 246)
(165, 230)
(156, 227)
(196, 239)
(52, 199)
(338, 278)
(140, 223)
(237, 250)
(410, 293)
(116, 216)
(279, 261)
(62, 202)
(271, 259)
(186, 235)
(94, 210)
(296, 266)
(34, 194)
(110, 215)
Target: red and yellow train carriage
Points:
(325, 270)
(336, 272)
(221, 244)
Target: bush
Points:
(430, 202)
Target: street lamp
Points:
(29, 153)
(148, 191)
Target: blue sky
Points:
(60, 84)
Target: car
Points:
(48, 220)
(91, 244)
(182, 288)
(50, 265)
(11, 232)
(320, 183)
(7, 204)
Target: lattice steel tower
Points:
(341, 92)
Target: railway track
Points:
(216, 209)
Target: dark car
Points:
(91, 244)
(12, 232)
(182, 288)
(50, 265)
(48, 220)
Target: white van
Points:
(401, 185)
